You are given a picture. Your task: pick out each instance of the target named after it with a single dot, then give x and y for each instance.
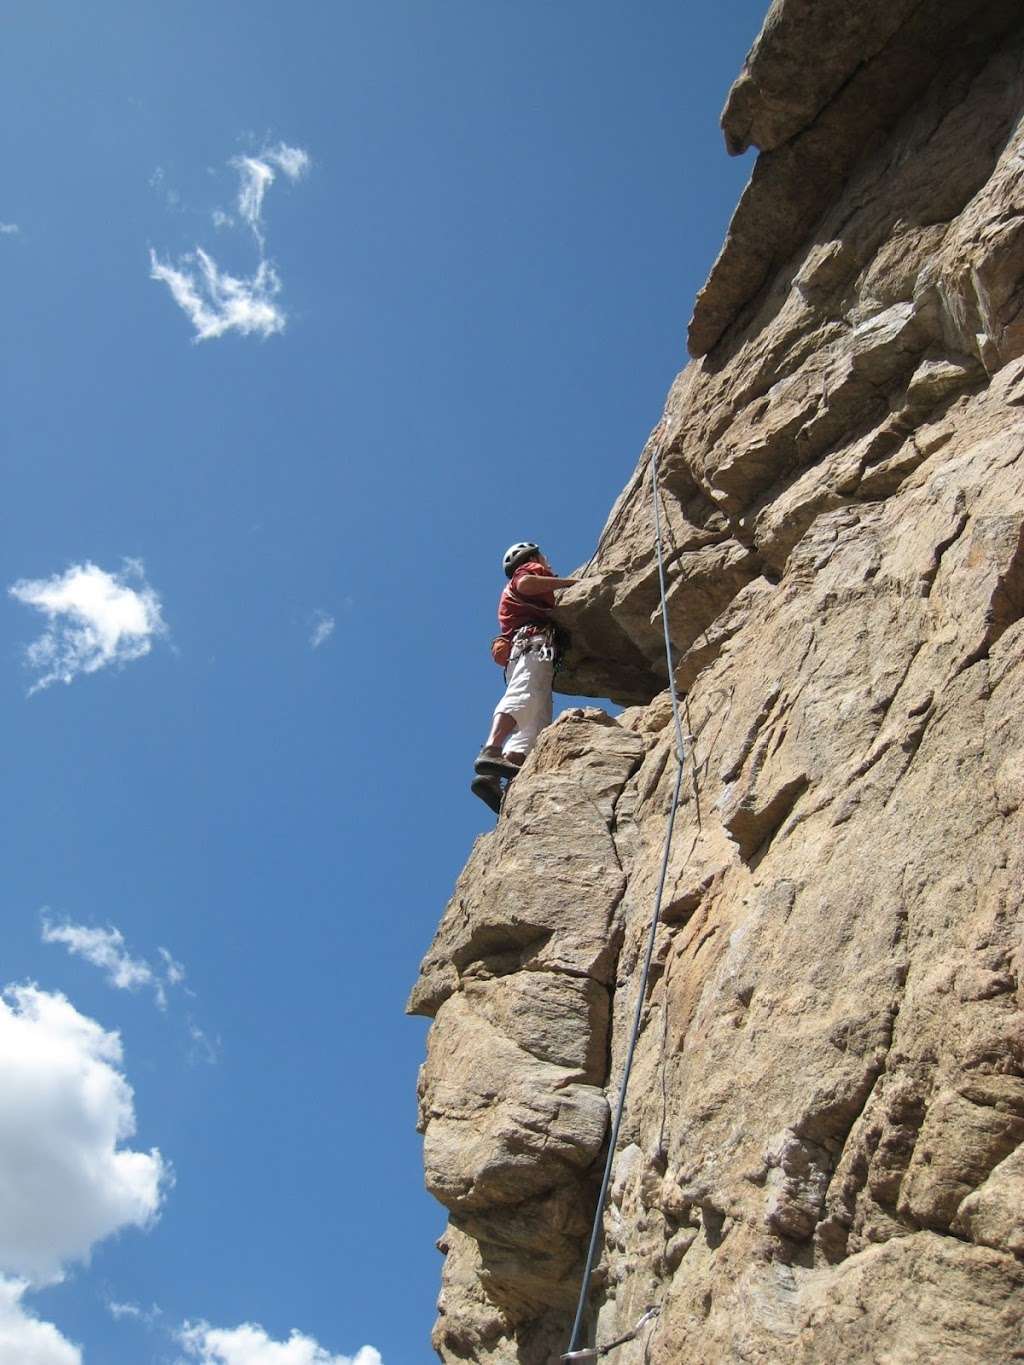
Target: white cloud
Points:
(257, 175)
(123, 1310)
(216, 302)
(292, 160)
(323, 628)
(174, 971)
(133, 1312)
(9, 229)
(106, 949)
(95, 619)
(250, 1345)
(66, 1180)
(24, 1339)
(203, 1049)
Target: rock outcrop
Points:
(821, 1156)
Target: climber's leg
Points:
(501, 729)
(533, 706)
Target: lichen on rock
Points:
(821, 1151)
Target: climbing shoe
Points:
(489, 791)
(489, 763)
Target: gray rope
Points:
(588, 1269)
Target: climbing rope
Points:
(588, 1270)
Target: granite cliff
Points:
(821, 1157)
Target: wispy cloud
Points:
(9, 229)
(214, 301)
(174, 971)
(292, 160)
(257, 175)
(204, 1048)
(107, 949)
(133, 1312)
(323, 628)
(170, 196)
(118, 1311)
(96, 619)
(250, 1345)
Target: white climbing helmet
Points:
(518, 554)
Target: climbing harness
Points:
(575, 1352)
(539, 640)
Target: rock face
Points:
(821, 1157)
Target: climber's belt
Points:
(539, 640)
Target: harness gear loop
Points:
(573, 1353)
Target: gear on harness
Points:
(539, 640)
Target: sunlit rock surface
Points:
(821, 1154)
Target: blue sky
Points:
(474, 294)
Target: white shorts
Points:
(528, 699)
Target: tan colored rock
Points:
(822, 83)
(820, 1158)
(993, 1214)
(921, 1298)
(518, 982)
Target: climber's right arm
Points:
(535, 584)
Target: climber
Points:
(528, 645)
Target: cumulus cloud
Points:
(250, 1345)
(214, 301)
(23, 1338)
(95, 619)
(9, 229)
(67, 1180)
(106, 949)
(323, 628)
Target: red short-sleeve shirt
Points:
(516, 609)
